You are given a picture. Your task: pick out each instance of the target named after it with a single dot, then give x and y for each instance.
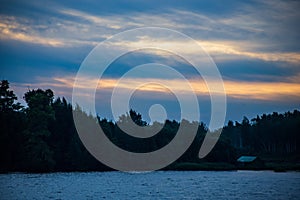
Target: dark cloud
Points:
(257, 70)
(132, 59)
(25, 61)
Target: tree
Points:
(8, 98)
(39, 156)
(246, 137)
(61, 129)
(12, 124)
(134, 116)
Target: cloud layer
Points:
(255, 44)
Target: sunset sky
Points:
(255, 45)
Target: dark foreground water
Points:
(155, 185)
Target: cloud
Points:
(234, 50)
(53, 32)
(267, 91)
(93, 19)
(274, 91)
(251, 32)
(11, 29)
(220, 50)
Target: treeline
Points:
(274, 133)
(42, 136)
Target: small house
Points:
(250, 162)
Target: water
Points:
(153, 185)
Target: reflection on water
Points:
(157, 185)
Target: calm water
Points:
(154, 185)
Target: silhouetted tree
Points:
(11, 125)
(39, 113)
(8, 98)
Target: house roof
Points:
(246, 158)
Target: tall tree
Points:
(39, 156)
(11, 125)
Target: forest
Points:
(41, 137)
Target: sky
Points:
(254, 44)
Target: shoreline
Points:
(184, 167)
